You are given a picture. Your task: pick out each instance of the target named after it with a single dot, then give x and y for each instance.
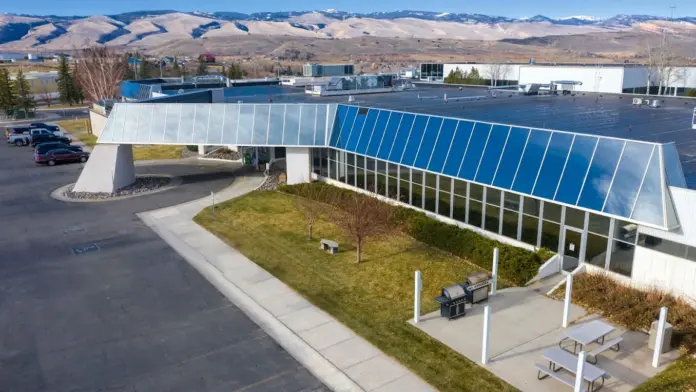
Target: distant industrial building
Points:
(321, 70)
(41, 83)
(596, 78)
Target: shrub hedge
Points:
(517, 265)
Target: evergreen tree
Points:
(235, 71)
(76, 93)
(202, 66)
(65, 82)
(473, 77)
(8, 99)
(455, 77)
(25, 99)
(145, 71)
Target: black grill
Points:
(454, 298)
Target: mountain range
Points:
(145, 29)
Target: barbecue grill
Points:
(476, 287)
(452, 301)
(454, 298)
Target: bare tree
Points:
(362, 218)
(99, 71)
(46, 95)
(497, 72)
(651, 56)
(312, 201)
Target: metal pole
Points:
(660, 337)
(416, 301)
(566, 304)
(580, 372)
(486, 333)
(496, 256)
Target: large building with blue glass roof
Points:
(614, 197)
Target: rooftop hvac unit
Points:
(637, 101)
(655, 103)
(693, 120)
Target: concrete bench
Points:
(541, 369)
(329, 246)
(606, 346)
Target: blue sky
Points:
(512, 8)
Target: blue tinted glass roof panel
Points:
(673, 167)
(308, 123)
(291, 128)
(596, 186)
(648, 205)
(628, 178)
(385, 145)
(261, 114)
(552, 167)
(425, 150)
(368, 129)
(246, 123)
(347, 126)
(457, 150)
(277, 123)
(442, 147)
(507, 167)
(378, 133)
(492, 154)
(402, 134)
(576, 169)
(474, 151)
(414, 140)
(322, 123)
(531, 161)
(357, 129)
(341, 114)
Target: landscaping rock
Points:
(141, 185)
(225, 153)
(275, 177)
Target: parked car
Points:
(53, 157)
(43, 148)
(16, 131)
(33, 137)
(43, 138)
(51, 128)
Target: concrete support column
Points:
(201, 149)
(298, 165)
(109, 168)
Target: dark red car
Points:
(62, 155)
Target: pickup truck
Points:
(35, 136)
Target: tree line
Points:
(457, 76)
(15, 95)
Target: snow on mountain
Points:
(151, 28)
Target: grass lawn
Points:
(373, 298)
(678, 377)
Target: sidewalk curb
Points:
(310, 358)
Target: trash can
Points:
(666, 341)
(247, 159)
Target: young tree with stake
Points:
(363, 218)
(311, 201)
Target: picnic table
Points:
(561, 359)
(594, 331)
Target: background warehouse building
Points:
(604, 78)
(614, 197)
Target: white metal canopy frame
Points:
(621, 178)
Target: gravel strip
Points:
(141, 185)
(225, 153)
(272, 181)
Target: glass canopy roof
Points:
(624, 178)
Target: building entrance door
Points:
(571, 248)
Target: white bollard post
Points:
(486, 333)
(566, 304)
(580, 372)
(212, 207)
(496, 256)
(660, 337)
(416, 301)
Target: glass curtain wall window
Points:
(597, 240)
(622, 247)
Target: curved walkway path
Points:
(342, 360)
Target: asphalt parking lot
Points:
(91, 299)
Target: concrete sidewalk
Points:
(332, 352)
